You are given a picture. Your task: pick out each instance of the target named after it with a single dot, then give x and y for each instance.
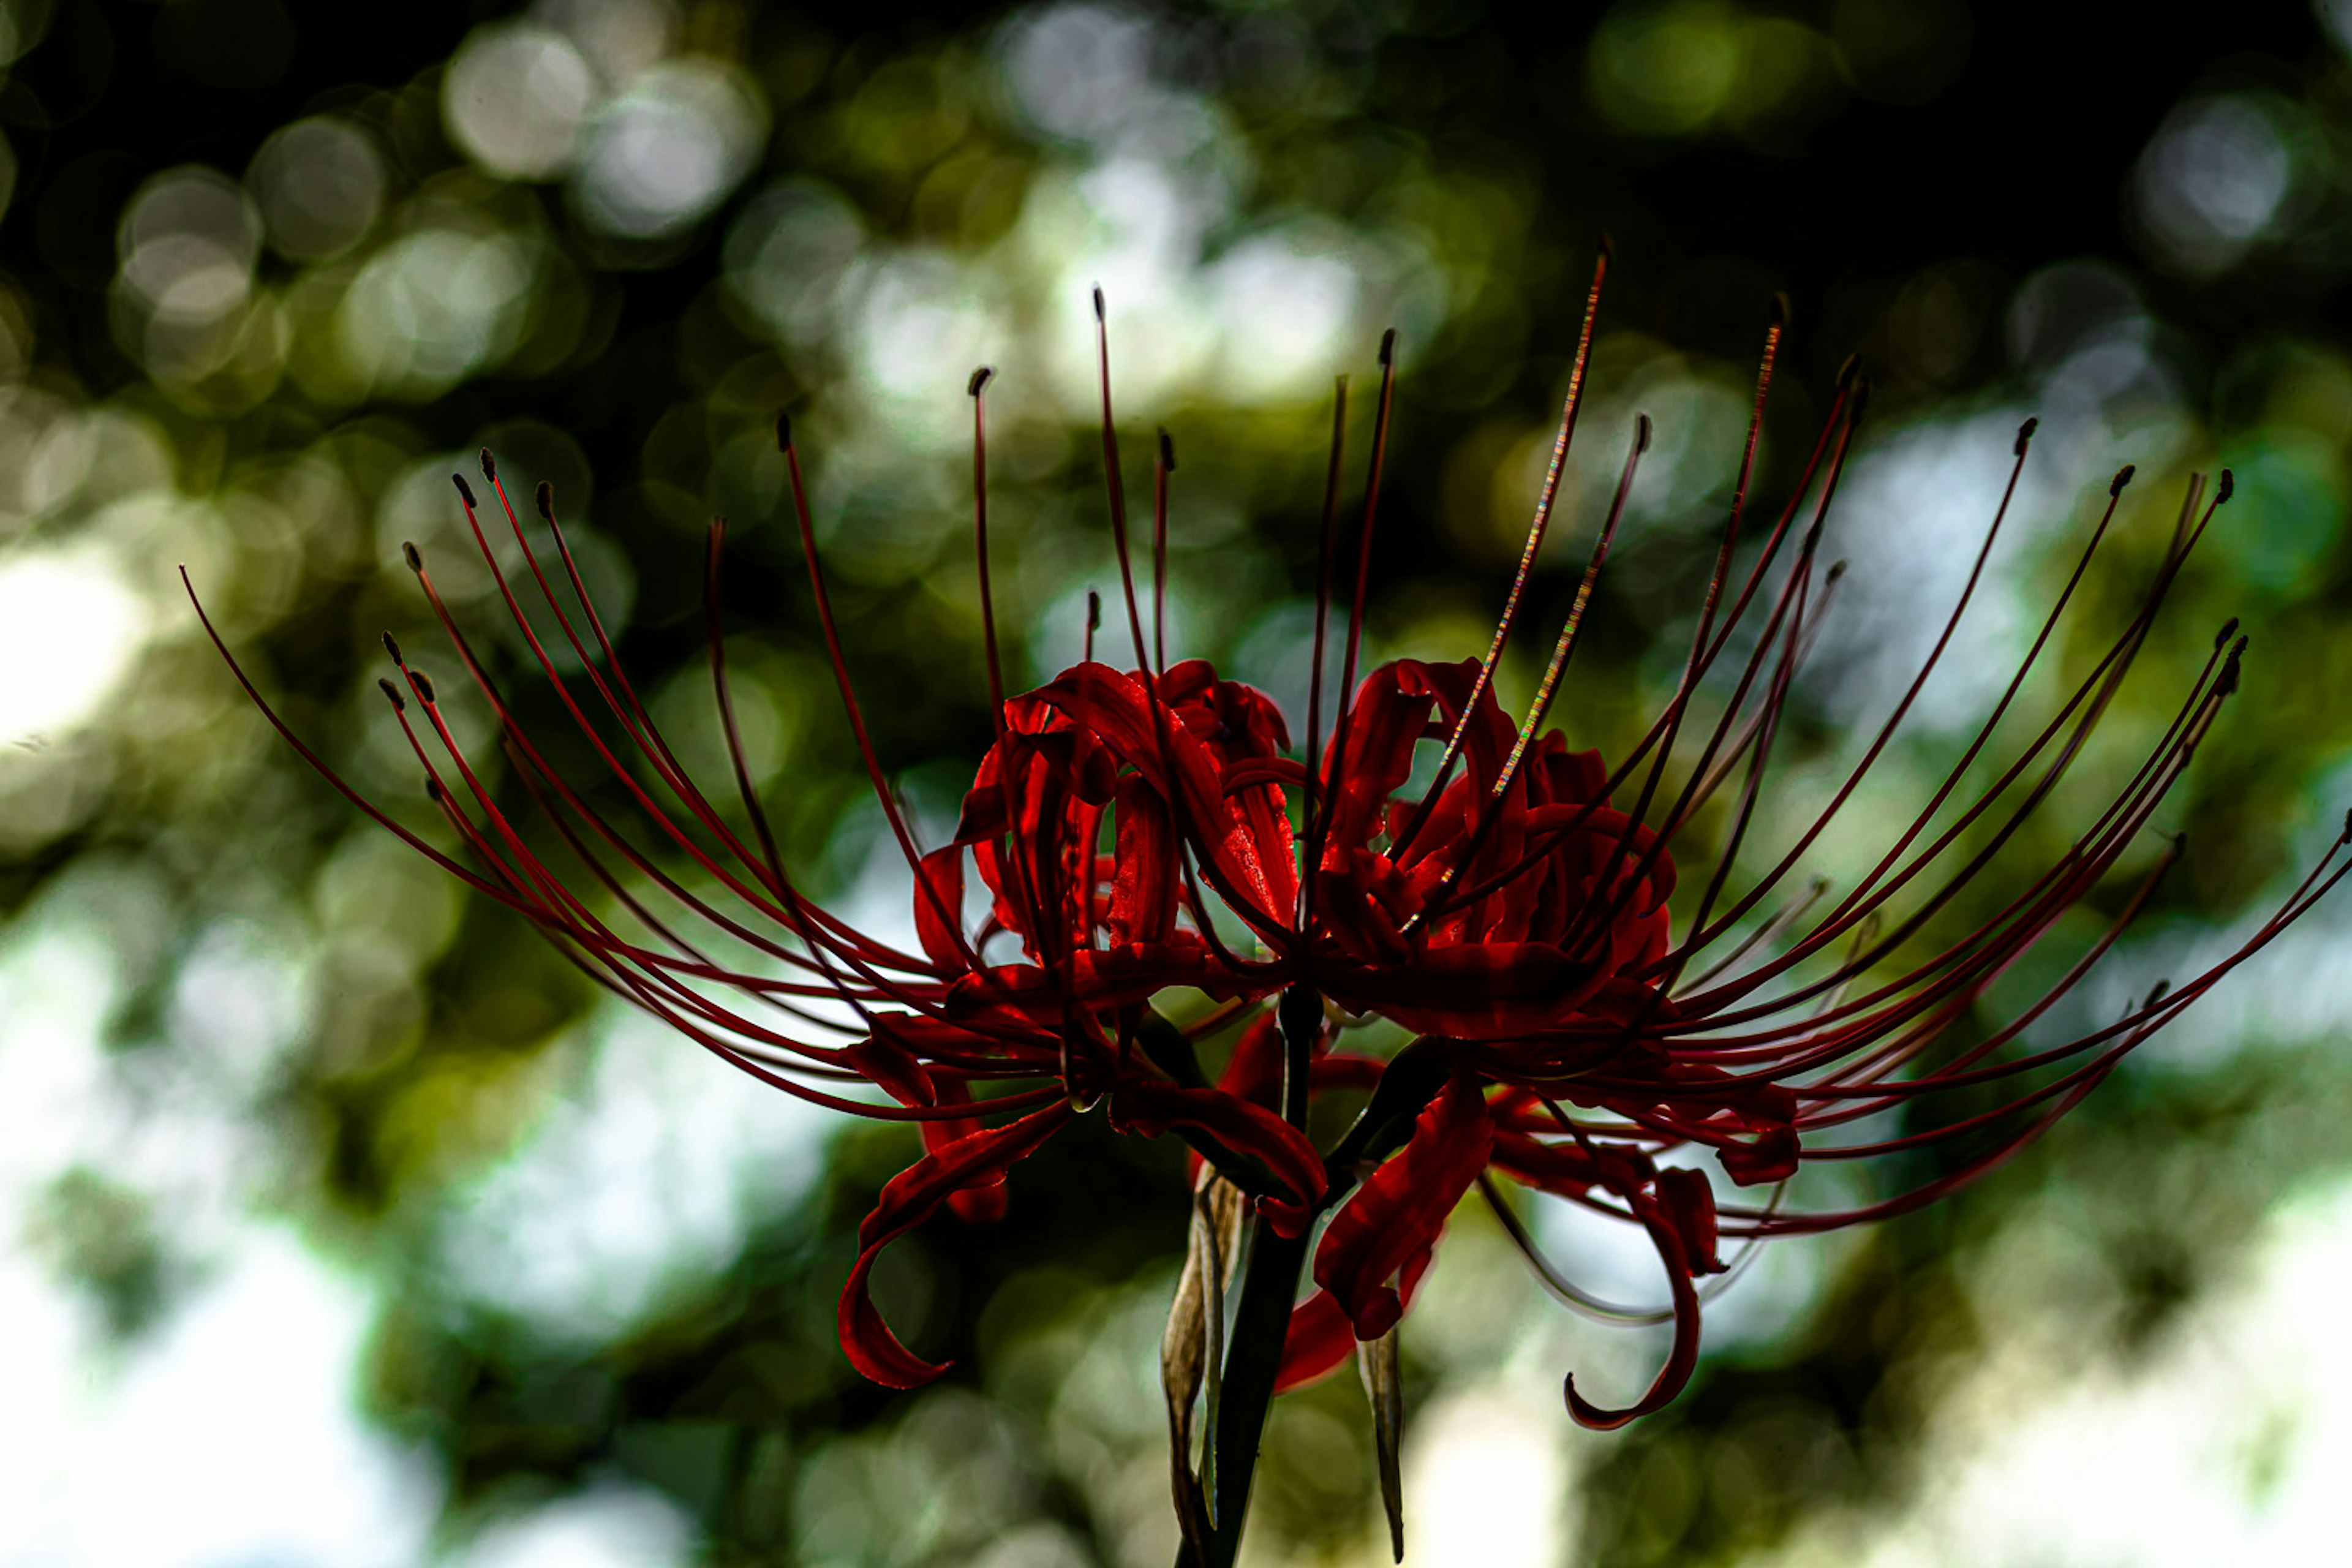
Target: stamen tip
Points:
(1099, 304)
(465, 490)
(393, 648)
(424, 684)
(414, 557)
(2231, 673)
(432, 789)
(2221, 491)
(1094, 611)
(2229, 629)
(489, 466)
(1167, 450)
(1607, 248)
(2025, 434)
(545, 496)
(2122, 476)
(980, 378)
(2348, 828)
(391, 694)
(783, 432)
(1387, 348)
(2157, 993)
(1641, 432)
(1780, 309)
(1837, 569)
(1848, 371)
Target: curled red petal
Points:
(1680, 1360)
(1402, 1206)
(908, 1199)
(1687, 1206)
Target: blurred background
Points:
(342, 1224)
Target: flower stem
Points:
(1254, 1354)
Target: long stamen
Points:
(950, 920)
(1116, 491)
(1314, 798)
(1160, 471)
(1563, 649)
(1337, 767)
(977, 391)
(1571, 406)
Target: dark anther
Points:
(392, 692)
(424, 685)
(1837, 569)
(1608, 246)
(2156, 994)
(1641, 432)
(489, 466)
(1094, 611)
(432, 789)
(1387, 348)
(980, 378)
(1099, 302)
(1848, 371)
(408, 553)
(393, 648)
(2025, 434)
(783, 432)
(2348, 828)
(2227, 681)
(2221, 491)
(465, 490)
(1780, 308)
(2229, 629)
(2122, 476)
(545, 496)
(1167, 451)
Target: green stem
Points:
(1270, 1287)
(1252, 1356)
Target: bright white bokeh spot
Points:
(611, 1527)
(670, 149)
(2214, 181)
(187, 241)
(432, 308)
(515, 98)
(320, 183)
(69, 629)
(1485, 1485)
(1079, 70)
(1285, 309)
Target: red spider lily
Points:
(1512, 915)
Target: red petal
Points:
(982, 1205)
(1402, 1206)
(939, 902)
(908, 1199)
(1151, 1109)
(1143, 891)
(1320, 1336)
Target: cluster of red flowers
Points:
(1150, 828)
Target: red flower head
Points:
(1142, 829)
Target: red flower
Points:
(1572, 1034)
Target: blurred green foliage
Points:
(271, 273)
